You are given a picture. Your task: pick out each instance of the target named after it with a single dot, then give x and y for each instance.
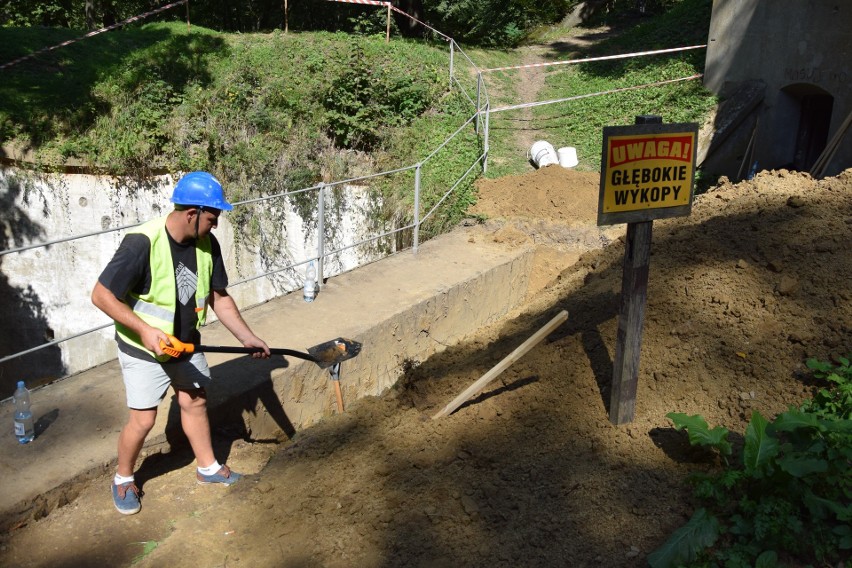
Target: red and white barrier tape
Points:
(542, 103)
(372, 2)
(591, 59)
(397, 10)
(94, 33)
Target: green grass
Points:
(165, 98)
(266, 113)
(273, 112)
(580, 122)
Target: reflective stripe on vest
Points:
(157, 307)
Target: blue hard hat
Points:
(201, 189)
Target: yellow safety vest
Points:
(157, 308)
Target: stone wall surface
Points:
(45, 291)
(402, 309)
(797, 49)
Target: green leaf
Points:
(760, 447)
(700, 433)
(835, 378)
(793, 419)
(147, 548)
(837, 426)
(683, 547)
(817, 365)
(820, 507)
(767, 559)
(845, 534)
(801, 465)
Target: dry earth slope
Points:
(530, 472)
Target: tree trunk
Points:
(406, 25)
(109, 13)
(90, 14)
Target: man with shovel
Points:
(159, 284)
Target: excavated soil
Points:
(530, 472)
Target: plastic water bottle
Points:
(309, 291)
(24, 427)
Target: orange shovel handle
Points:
(177, 347)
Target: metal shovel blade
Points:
(332, 352)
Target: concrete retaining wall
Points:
(448, 296)
(403, 309)
(44, 292)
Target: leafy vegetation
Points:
(582, 120)
(178, 99)
(268, 113)
(787, 500)
(495, 23)
(483, 22)
(441, 170)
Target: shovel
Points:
(325, 354)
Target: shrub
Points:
(789, 497)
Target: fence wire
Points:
(465, 75)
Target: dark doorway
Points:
(814, 122)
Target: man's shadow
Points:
(239, 385)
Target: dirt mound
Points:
(530, 472)
(553, 194)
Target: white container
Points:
(542, 154)
(309, 290)
(567, 157)
(24, 428)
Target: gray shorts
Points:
(146, 382)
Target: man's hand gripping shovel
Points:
(327, 355)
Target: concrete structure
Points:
(44, 291)
(802, 54)
(403, 309)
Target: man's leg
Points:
(196, 424)
(125, 494)
(132, 437)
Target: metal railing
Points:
(322, 253)
(477, 97)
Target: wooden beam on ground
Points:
(818, 169)
(504, 364)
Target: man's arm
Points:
(228, 313)
(120, 312)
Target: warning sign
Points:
(647, 172)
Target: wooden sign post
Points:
(647, 173)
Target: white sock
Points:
(210, 469)
(120, 479)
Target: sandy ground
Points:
(530, 472)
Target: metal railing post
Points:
(320, 234)
(452, 44)
(416, 207)
(485, 139)
(478, 95)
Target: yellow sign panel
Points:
(646, 171)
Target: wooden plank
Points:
(339, 396)
(504, 364)
(634, 292)
(818, 169)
